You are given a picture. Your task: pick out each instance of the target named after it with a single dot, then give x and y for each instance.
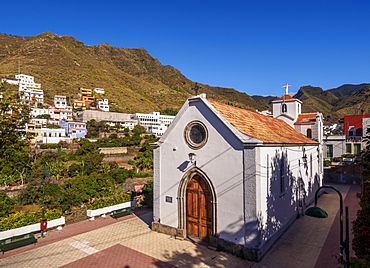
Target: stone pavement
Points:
(129, 242)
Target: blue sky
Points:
(255, 46)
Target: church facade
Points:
(232, 178)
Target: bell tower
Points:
(287, 108)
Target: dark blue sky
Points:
(253, 46)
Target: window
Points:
(357, 148)
(348, 148)
(309, 133)
(284, 108)
(351, 131)
(282, 176)
(329, 150)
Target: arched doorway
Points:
(198, 209)
(197, 203)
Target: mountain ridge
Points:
(134, 81)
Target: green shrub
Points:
(143, 175)
(6, 204)
(21, 219)
(348, 156)
(327, 163)
(49, 146)
(148, 193)
(121, 174)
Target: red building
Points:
(353, 125)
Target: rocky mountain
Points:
(333, 103)
(345, 90)
(133, 80)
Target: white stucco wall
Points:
(276, 208)
(220, 159)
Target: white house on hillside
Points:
(31, 90)
(233, 178)
(154, 122)
(60, 101)
(103, 105)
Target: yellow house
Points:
(79, 104)
(87, 95)
(35, 130)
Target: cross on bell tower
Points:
(287, 86)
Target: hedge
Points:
(20, 219)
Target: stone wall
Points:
(113, 150)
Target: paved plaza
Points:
(129, 242)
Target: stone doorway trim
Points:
(181, 198)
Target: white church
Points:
(233, 178)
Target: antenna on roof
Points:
(287, 86)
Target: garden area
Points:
(70, 183)
(65, 182)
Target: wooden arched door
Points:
(198, 209)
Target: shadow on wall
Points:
(286, 199)
(287, 195)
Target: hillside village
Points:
(69, 117)
(72, 115)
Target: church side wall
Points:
(279, 205)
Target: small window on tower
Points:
(284, 108)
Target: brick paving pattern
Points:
(128, 242)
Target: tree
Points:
(6, 179)
(58, 169)
(93, 127)
(6, 204)
(43, 116)
(144, 159)
(361, 226)
(169, 111)
(87, 147)
(14, 117)
(138, 130)
(148, 193)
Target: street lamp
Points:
(192, 158)
(43, 222)
(318, 212)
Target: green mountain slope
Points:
(133, 80)
(347, 89)
(358, 102)
(333, 108)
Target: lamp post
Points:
(43, 221)
(192, 159)
(318, 212)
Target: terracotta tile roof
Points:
(306, 118)
(285, 97)
(255, 125)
